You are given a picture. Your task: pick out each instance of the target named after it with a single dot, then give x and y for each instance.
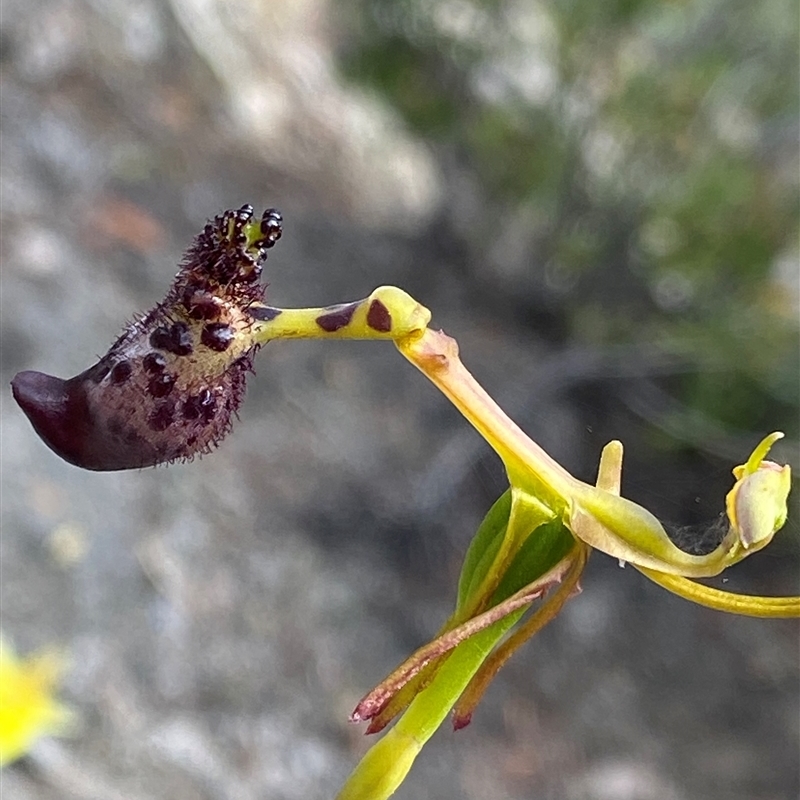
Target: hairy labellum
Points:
(169, 386)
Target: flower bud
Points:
(757, 503)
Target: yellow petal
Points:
(28, 709)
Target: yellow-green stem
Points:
(385, 765)
(436, 355)
(747, 605)
(388, 313)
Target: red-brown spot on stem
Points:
(263, 313)
(378, 317)
(337, 317)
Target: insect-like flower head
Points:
(169, 386)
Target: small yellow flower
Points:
(28, 708)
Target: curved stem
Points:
(744, 604)
(436, 355)
(388, 313)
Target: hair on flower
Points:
(170, 384)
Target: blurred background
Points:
(599, 200)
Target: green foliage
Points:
(541, 551)
(483, 547)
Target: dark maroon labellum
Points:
(58, 413)
(146, 401)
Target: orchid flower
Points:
(169, 388)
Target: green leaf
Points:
(483, 547)
(540, 552)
